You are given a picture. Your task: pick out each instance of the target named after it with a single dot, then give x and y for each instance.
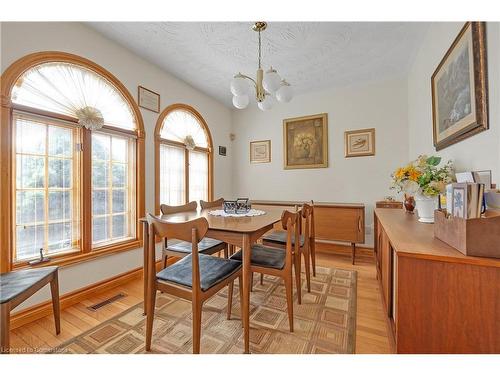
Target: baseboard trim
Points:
(44, 309)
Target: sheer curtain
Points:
(198, 176)
(178, 124)
(65, 88)
(172, 175)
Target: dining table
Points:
(242, 232)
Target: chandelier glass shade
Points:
(265, 85)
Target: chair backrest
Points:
(191, 231)
(166, 209)
(290, 222)
(308, 227)
(212, 204)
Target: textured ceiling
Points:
(310, 55)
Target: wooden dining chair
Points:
(196, 277)
(278, 262)
(306, 247)
(211, 204)
(181, 249)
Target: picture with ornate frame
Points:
(459, 88)
(260, 151)
(148, 99)
(305, 141)
(359, 142)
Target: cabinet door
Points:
(386, 265)
(339, 224)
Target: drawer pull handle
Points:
(359, 225)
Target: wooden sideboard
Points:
(437, 299)
(343, 222)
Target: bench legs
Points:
(54, 290)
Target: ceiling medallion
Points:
(265, 86)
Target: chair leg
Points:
(307, 261)
(289, 298)
(54, 290)
(240, 288)
(261, 279)
(197, 308)
(4, 328)
(251, 283)
(150, 311)
(231, 250)
(164, 258)
(298, 278)
(313, 257)
(230, 299)
(226, 251)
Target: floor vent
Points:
(99, 305)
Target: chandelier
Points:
(265, 85)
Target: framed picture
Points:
(459, 203)
(305, 141)
(359, 142)
(459, 88)
(222, 150)
(148, 99)
(260, 151)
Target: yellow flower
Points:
(413, 174)
(400, 173)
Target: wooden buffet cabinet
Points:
(343, 222)
(437, 299)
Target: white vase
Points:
(426, 207)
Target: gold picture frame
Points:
(359, 142)
(260, 151)
(148, 99)
(305, 141)
(459, 88)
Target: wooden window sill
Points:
(66, 260)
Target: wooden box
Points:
(472, 237)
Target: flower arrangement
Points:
(423, 176)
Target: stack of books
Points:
(467, 200)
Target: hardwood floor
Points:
(371, 333)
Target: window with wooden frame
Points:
(183, 148)
(76, 193)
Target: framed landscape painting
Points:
(459, 88)
(359, 142)
(305, 141)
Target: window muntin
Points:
(113, 193)
(180, 123)
(64, 88)
(46, 195)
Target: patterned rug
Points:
(325, 322)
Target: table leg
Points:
(145, 236)
(245, 314)
(4, 328)
(54, 291)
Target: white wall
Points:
(20, 39)
(381, 105)
(479, 152)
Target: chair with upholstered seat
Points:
(306, 246)
(196, 277)
(211, 204)
(278, 262)
(181, 249)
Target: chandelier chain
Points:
(259, 50)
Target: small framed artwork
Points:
(459, 88)
(359, 142)
(459, 203)
(260, 151)
(305, 142)
(148, 99)
(222, 150)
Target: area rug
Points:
(325, 322)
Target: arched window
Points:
(74, 190)
(183, 156)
